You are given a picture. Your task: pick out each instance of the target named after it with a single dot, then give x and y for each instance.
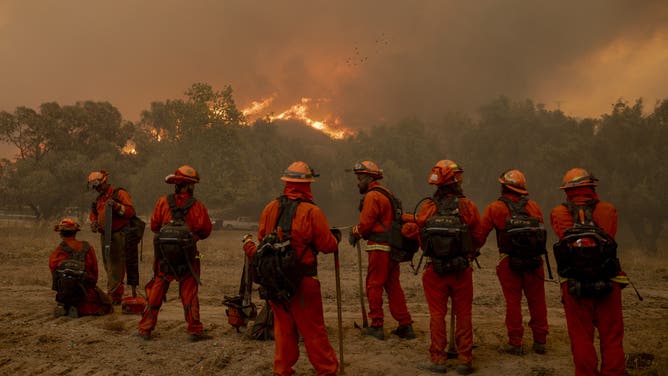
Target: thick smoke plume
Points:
(373, 61)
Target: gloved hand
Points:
(353, 236)
(115, 206)
(337, 234)
(93, 226)
(246, 238)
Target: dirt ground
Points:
(33, 342)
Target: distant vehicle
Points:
(241, 223)
(216, 223)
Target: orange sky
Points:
(367, 61)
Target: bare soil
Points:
(33, 342)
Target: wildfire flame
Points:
(256, 106)
(130, 148)
(300, 111)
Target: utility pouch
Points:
(449, 265)
(586, 289)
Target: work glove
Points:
(248, 245)
(116, 206)
(337, 234)
(246, 238)
(353, 236)
(93, 226)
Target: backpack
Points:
(69, 276)
(175, 245)
(263, 326)
(446, 239)
(586, 254)
(276, 267)
(135, 231)
(523, 237)
(402, 248)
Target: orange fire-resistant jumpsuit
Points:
(199, 222)
(513, 282)
(458, 286)
(114, 263)
(304, 314)
(583, 315)
(95, 302)
(382, 272)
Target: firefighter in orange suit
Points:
(74, 269)
(590, 304)
(382, 272)
(302, 314)
(197, 219)
(451, 276)
(123, 210)
(525, 273)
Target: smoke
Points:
(373, 61)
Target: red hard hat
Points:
(578, 177)
(96, 178)
(299, 172)
(67, 224)
(183, 174)
(445, 172)
(368, 168)
(514, 180)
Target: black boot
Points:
(374, 331)
(404, 331)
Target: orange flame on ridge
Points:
(300, 111)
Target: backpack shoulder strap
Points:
(179, 212)
(516, 207)
(79, 256)
(287, 209)
(447, 206)
(389, 196)
(114, 196)
(587, 209)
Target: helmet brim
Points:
(176, 179)
(298, 180)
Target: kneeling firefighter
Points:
(73, 266)
(292, 230)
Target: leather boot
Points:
(373, 331)
(404, 331)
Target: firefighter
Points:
(449, 229)
(591, 277)
(520, 268)
(181, 263)
(302, 313)
(121, 249)
(382, 272)
(74, 269)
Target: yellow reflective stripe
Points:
(502, 256)
(377, 247)
(621, 279)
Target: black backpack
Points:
(175, 245)
(586, 254)
(446, 239)
(276, 267)
(70, 275)
(523, 238)
(402, 248)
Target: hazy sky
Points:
(366, 61)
